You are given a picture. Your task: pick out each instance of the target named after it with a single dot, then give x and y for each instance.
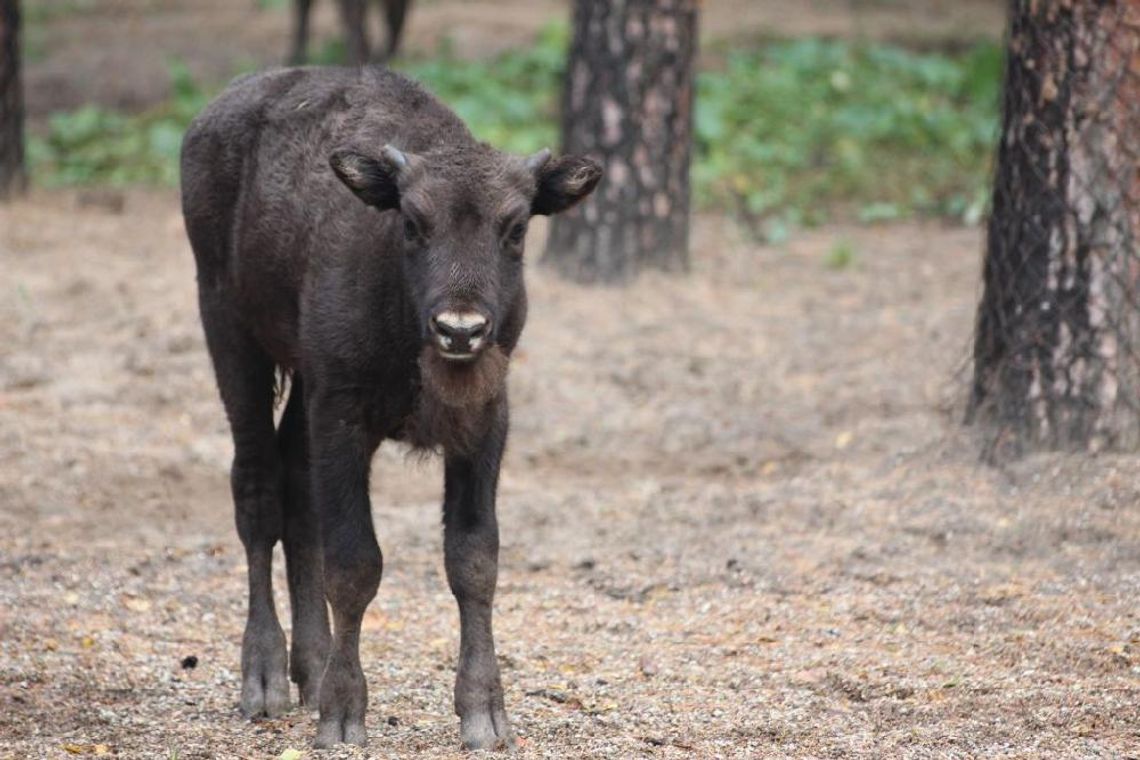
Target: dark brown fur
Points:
(455, 400)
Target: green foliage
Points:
(96, 145)
(788, 133)
(797, 130)
(511, 101)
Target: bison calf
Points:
(349, 230)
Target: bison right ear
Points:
(376, 181)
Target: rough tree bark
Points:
(628, 101)
(1056, 336)
(13, 177)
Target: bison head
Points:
(462, 217)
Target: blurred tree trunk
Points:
(628, 101)
(1055, 354)
(13, 177)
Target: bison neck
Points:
(456, 403)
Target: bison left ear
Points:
(562, 182)
(376, 181)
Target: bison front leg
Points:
(352, 563)
(471, 555)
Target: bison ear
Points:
(562, 182)
(376, 181)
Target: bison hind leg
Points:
(245, 376)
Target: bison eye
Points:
(517, 233)
(411, 231)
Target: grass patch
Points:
(788, 133)
(99, 146)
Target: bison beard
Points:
(455, 400)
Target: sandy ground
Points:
(740, 519)
(116, 52)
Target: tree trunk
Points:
(1055, 353)
(628, 102)
(13, 177)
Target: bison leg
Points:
(353, 15)
(395, 13)
(301, 10)
(310, 646)
(471, 556)
(245, 381)
(352, 561)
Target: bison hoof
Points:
(344, 699)
(264, 694)
(486, 730)
(335, 731)
(264, 682)
(310, 695)
(307, 674)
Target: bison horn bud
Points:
(538, 160)
(395, 157)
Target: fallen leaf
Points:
(87, 749)
(291, 754)
(843, 440)
(136, 604)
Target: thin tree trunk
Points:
(1055, 363)
(13, 176)
(628, 102)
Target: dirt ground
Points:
(739, 515)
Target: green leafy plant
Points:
(788, 133)
(96, 145)
(803, 129)
(510, 101)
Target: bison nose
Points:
(459, 335)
